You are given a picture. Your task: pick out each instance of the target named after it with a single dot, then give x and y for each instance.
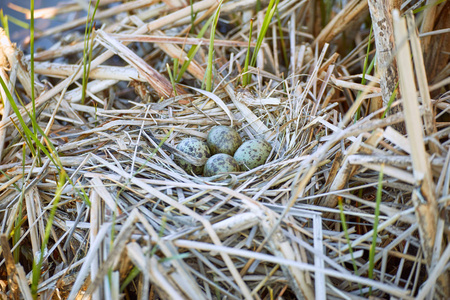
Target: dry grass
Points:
(130, 214)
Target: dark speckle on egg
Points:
(220, 163)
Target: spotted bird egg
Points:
(220, 163)
(223, 139)
(252, 154)
(195, 148)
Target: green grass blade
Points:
(133, 273)
(27, 140)
(271, 9)
(365, 70)
(366, 59)
(18, 22)
(375, 225)
(193, 50)
(372, 64)
(193, 16)
(246, 76)
(50, 152)
(428, 6)
(33, 100)
(273, 4)
(176, 63)
(391, 100)
(4, 21)
(26, 130)
(209, 68)
(172, 80)
(347, 236)
(326, 7)
(19, 220)
(88, 47)
(37, 265)
(283, 43)
(185, 65)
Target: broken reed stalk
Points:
(383, 32)
(424, 197)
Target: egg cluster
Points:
(225, 152)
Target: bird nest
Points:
(350, 203)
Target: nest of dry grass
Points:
(123, 220)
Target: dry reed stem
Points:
(383, 32)
(7, 61)
(161, 84)
(101, 72)
(434, 18)
(423, 179)
(162, 39)
(429, 122)
(341, 21)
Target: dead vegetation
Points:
(122, 220)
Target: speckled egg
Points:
(223, 139)
(252, 154)
(195, 148)
(219, 163)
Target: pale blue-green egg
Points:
(252, 153)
